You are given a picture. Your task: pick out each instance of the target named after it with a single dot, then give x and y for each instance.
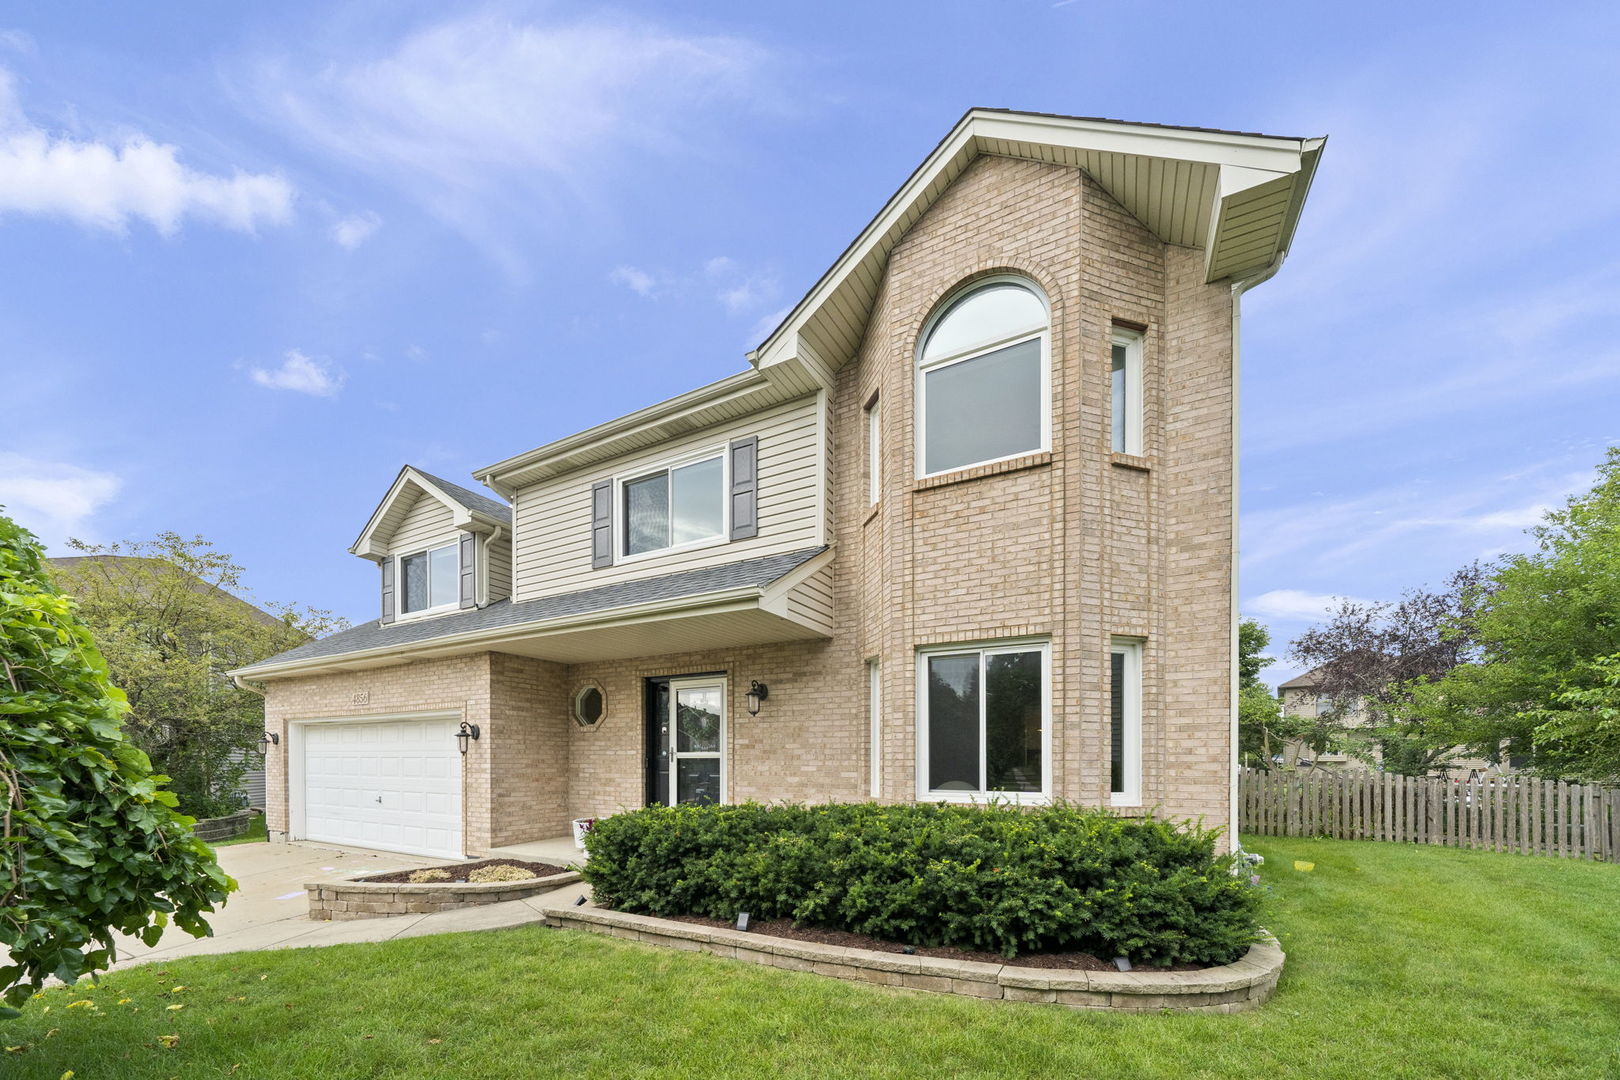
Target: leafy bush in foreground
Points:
(994, 878)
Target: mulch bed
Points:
(785, 928)
(459, 871)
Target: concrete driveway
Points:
(270, 909)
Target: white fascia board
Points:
(366, 544)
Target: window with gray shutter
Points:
(601, 524)
(387, 590)
(469, 570)
(745, 488)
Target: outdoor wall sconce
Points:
(757, 692)
(467, 734)
(266, 741)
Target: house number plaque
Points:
(360, 697)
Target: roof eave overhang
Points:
(371, 545)
(761, 598)
(691, 411)
(1244, 233)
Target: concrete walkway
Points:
(270, 910)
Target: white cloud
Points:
(52, 499)
(747, 294)
(352, 231)
(103, 185)
(765, 324)
(491, 121)
(1294, 605)
(719, 266)
(636, 280)
(300, 374)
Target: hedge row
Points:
(994, 878)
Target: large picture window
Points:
(982, 385)
(983, 715)
(430, 579)
(675, 506)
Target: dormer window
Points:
(430, 580)
(981, 378)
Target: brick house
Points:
(963, 529)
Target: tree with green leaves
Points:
(1263, 730)
(91, 843)
(1547, 681)
(167, 617)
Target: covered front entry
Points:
(394, 785)
(686, 739)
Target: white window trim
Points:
(400, 614)
(983, 649)
(922, 369)
(874, 714)
(1131, 648)
(621, 525)
(1132, 340)
(874, 453)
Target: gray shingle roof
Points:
(472, 500)
(747, 573)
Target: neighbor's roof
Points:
(1308, 681)
(1235, 195)
(376, 636)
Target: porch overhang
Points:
(759, 612)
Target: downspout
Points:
(483, 578)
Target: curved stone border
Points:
(1236, 987)
(229, 827)
(378, 899)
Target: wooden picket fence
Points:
(1511, 813)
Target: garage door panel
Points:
(392, 784)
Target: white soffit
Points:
(1235, 196)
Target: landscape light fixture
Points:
(757, 692)
(467, 735)
(266, 741)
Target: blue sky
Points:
(254, 258)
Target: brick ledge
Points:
(1237, 987)
(337, 900)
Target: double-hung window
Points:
(1125, 722)
(430, 579)
(984, 716)
(676, 506)
(1126, 411)
(982, 385)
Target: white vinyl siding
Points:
(427, 524)
(553, 549)
(811, 601)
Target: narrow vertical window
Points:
(874, 462)
(1125, 722)
(874, 715)
(1127, 391)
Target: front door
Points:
(695, 726)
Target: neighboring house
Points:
(1301, 697)
(963, 530)
(126, 568)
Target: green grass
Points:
(1402, 962)
(255, 834)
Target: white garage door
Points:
(393, 785)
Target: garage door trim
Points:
(297, 826)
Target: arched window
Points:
(981, 378)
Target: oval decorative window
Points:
(589, 705)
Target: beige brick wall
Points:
(1073, 545)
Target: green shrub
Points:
(995, 878)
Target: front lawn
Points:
(1403, 962)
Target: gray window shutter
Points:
(469, 569)
(388, 589)
(601, 524)
(745, 488)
